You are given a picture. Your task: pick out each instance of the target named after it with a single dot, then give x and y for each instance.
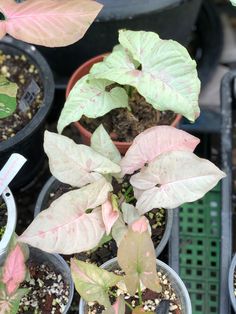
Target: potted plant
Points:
(159, 171)
(23, 65)
(144, 82)
(134, 282)
(33, 281)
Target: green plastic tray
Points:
(200, 232)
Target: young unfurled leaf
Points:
(65, 227)
(172, 179)
(153, 142)
(137, 258)
(109, 215)
(117, 308)
(119, 229)
(8, 91)
(14, 270)
(167, 79)
(75, 164)
(92, 282)
(90, 97)
(102, 143)
(51, 23)
(130, 213)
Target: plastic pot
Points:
(29, 140)
(52, 184)
(85, 134)
(166, 17)
(231, 283)
(175, 280)
(11, 223)
(59, 265)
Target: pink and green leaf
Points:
(137, 258)
(65, 227)
(91, 98)
(167, 79)
(153, 142)
(109, 215)
(14, 270)
(51, 23)
(92, 282)
(117, 308)
(172, 179)
(102, 144)
(75, 164)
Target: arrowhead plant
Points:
(12, 274)
(159, 70)
(159, 170)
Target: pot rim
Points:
(56, 258)
(53, 181)
(231, 282)
(165, 267)
(48, 83)
(11, 220)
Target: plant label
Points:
(29, 96)
(10, 170)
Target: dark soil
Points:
(20, 70)
(48, 292)
(3, 217)
(124, 125)
(235, 283)
(151, 301)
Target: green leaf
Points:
(8, 91)
(92, 282)
(89, 97)
(10, 305)
(117, 308)
(102, 143)
(137, 258)
(167, 78)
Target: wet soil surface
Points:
(3, 217)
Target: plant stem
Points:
(140, 295)
(114, 295)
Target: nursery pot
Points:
(175, 280)
(52, 184)
(29, 140)
(231, 283)
(11, 223)
(171, 19)
(59, 265)
(85, 134)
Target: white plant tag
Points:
(10, 170)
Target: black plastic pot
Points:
(11, 223)
(29, 141)
(171, 19)
(59, 265)
(176, 283)
(52, 184)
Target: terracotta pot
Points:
(85, 134)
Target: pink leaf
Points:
(51, 23)
(140, 225)
(153, 142)
(109, 215)
(14, 269)
(172, 179)
(65, 227)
